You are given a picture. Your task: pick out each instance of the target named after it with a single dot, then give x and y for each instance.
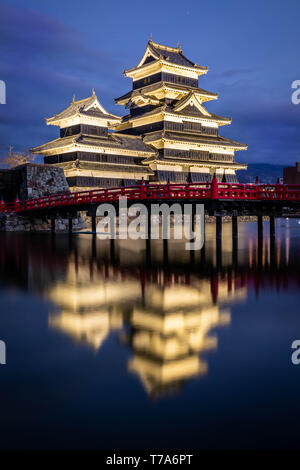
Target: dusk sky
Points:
(51, 50)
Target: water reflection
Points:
(167, 310)
(164, 316)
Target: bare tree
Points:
(13, 159)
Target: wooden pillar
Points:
(148, 250)
(165, 250)
(70, 224)
(93, 223)
(149, 222)
(193, 218)
(94, 247)
(192, 234)
(202, 256)
(272, 226)
(259, 240)
(112, 250)
(234, 252)
(219, 240)
(53, 225)
(218, 226)
(260, 226)
(272, 242)
(234, 220)
(202, 251)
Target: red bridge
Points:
(214, 191)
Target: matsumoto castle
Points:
(168, 134)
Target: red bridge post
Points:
(214, 187)
(143, 190)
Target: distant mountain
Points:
(266, 172)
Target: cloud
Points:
(262, 117)
(235, 73)
(44, 62)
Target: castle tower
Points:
(89, 153)
(166, 107)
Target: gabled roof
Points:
(191, 101)
(187, 111)
(182, 89)
(90, 106)
(114, 140)
(173, 55)
(85, 165)
(189, 138)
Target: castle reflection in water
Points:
(166, 305)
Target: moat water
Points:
(110, 346)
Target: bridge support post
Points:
(192, 231)
(259, 226)
(53, 225)
(219, 227)
(148, 239)
(165, 250)
(112, 250)
(70, 224)
(219, 240)
(202, 256)
(272, 241)
(93, 223)
(94, 247)
(272, 226)
(234, 221)
(259, 240)
(149, 222)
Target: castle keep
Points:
(167, 135)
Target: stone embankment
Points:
(13, 223)
(32, 181)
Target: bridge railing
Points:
(152, 192)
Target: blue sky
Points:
(51, 50)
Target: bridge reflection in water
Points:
(167, 311)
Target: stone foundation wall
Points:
(13, 223)
(38, 180)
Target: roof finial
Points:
(74, 98)
(179, 46)
(150, 37)
(93, 91)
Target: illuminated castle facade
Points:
(168, 134)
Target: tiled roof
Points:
(81, 164)
(80, 107)
(188, 161)
(157, 85)
(169, 109)
(114, 140)
(171, 54)
(186, 137)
